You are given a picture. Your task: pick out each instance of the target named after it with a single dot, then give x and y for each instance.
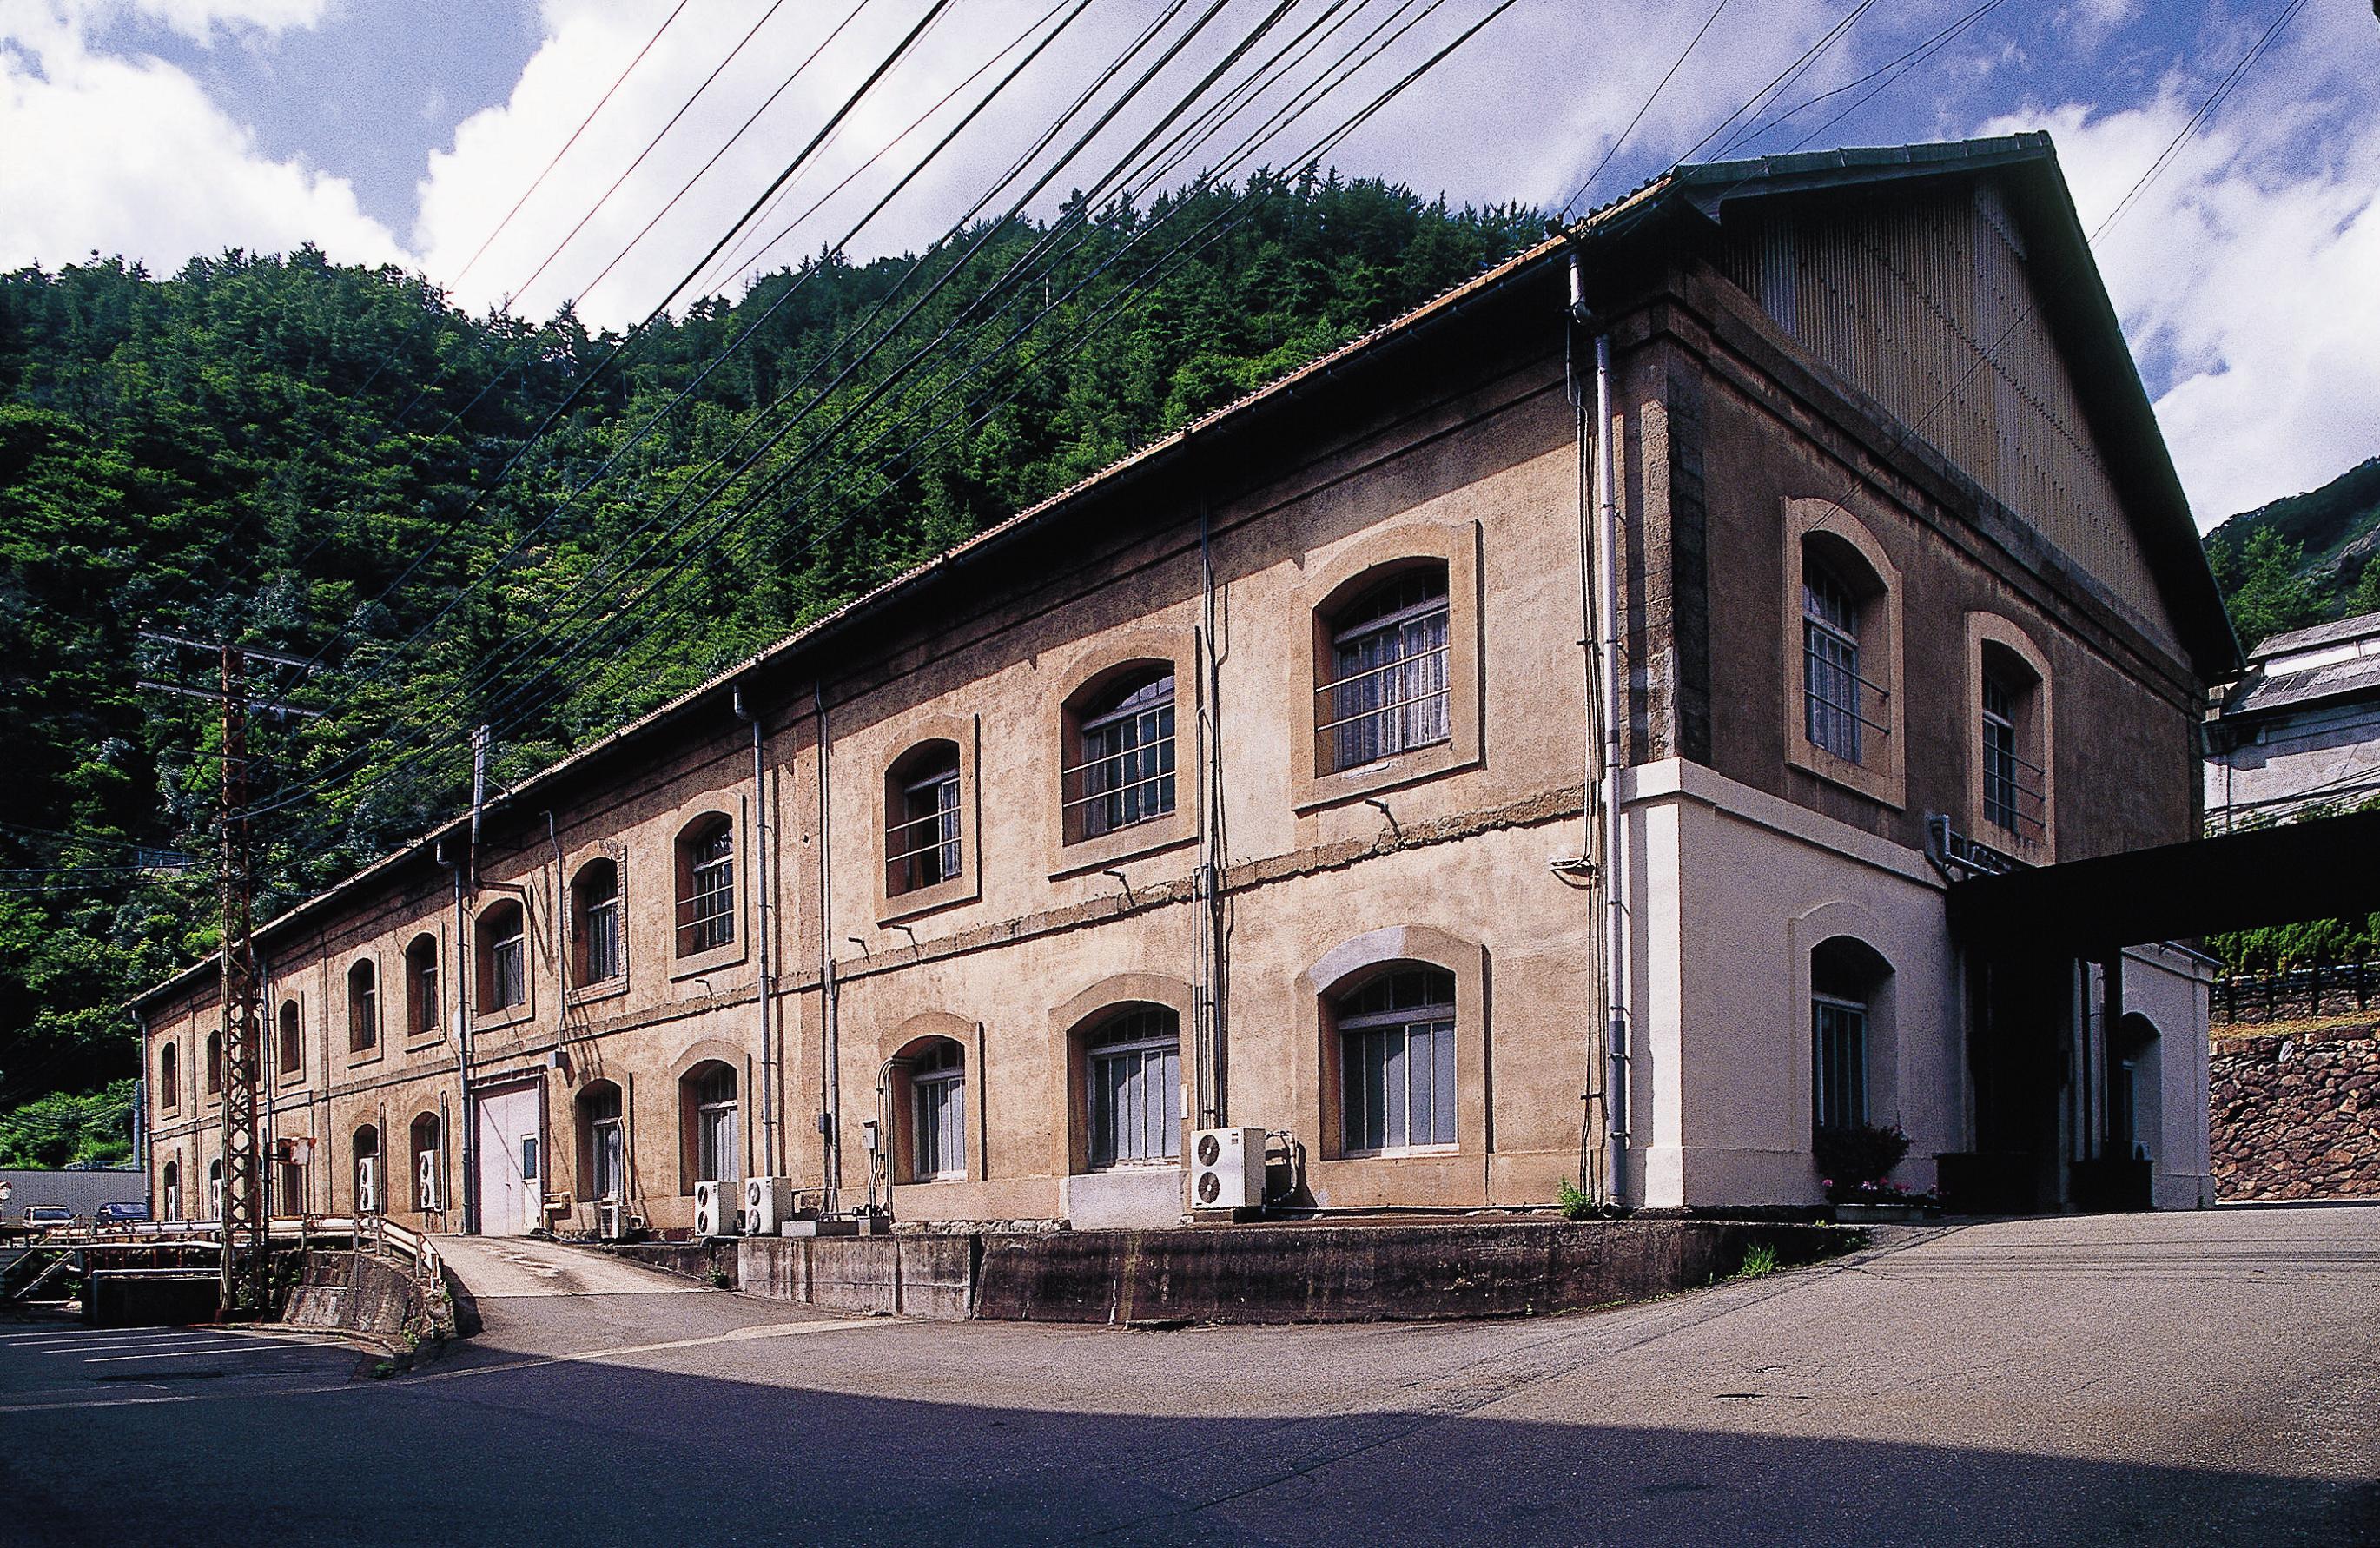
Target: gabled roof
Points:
(2085, 319)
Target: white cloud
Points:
(2248, 275)
(127, 155)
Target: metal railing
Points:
(2322, 988)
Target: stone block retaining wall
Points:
(2294, 1119)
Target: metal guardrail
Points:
(371, 1231)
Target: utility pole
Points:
(245, 1277)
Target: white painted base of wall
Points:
(1126, 1197)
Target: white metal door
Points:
(510, 1138)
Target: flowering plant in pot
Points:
(1854, 1161)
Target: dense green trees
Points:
(315, 456)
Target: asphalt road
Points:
(2148, 1379)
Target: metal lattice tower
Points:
(245, 1280)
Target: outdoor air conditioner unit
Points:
(425, 1182)
(715, 1209)
(612, 1220)
(1227, 1169)
(366, 1185)
(767, 1203)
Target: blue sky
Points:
(2247, 273)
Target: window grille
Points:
(293, 1051)
(214, 1063)
(1397, 1064)
(1388, 690)
(605, 1141)
(1135, 1070)
(2013, 784)
(1126, 773)
(421, 985)
(169, 1078)
(1839, 1036)
(508, 966)
(937, 1112)
(363, 1008)
(921, 844)
(598, 925)
(707, 912)
(714, 1125)
(1835, 694)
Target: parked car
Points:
(120, 1215)
(48, 1217)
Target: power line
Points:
(1645, 106)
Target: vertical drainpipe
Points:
(460, 1035)
(141, 1117)
(1615, 876)
(1212, 995)
(830, 1044)
(772, 1095)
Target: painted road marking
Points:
(240, 1348)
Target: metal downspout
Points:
(830, 1045)
(771, 1091)
(1615, 871)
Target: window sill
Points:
(928, 900)
(429, 1037)
(1880, 783)
(729, 955)
(1399, 1153)
(497, 1020)
(610, 989)
(1403, 768)
(1140, 839)
(1166, 1164)
(371, 1056)
(290, 1078)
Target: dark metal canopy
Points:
(2308, 870)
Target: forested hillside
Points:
(2301, 559)
(326, 460)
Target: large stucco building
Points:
(2300, 732)
(1261, 780)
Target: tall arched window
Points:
(1131, 1064)
(707, 1099)
(1385, 687)
(1842, 700)
(215, 1064)
(923, 840)
(1120, 771)
(2015, 783)
(504, 957)
(596, 944)
(427, 1172)
(169, 1078)
(706, 885)
(1396, 1063)
(368, 1200)
(363, 1007)
(603, 1153)
(935, 1074)
(421, 985)
(170, 1204)
(214, 1191)
(1845, 975)
(292, 1045)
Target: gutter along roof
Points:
(1704, 188)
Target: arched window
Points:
(1119, 767)
(924, 845)
(291, 1047)
(290, 1185)
(214, 1191)
(596, 953)
(934, 1072)
(367, 1177)
(603, 1151)
(1845, 975)
(215, 1064)
(706, 885)
(363, 1007)
(1396, 1062)
(421, 985)
(170, 1204)
(169, 1078)
(707, 1102)
(1131, 1064)
(2016, 785)
(1384, 687)
(1843, 700)
(427, 1172)
(504, 957)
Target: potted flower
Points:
(1856, 1166)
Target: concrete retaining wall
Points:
(713, 1262)
(1269, 1273)
(2296, 1119)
